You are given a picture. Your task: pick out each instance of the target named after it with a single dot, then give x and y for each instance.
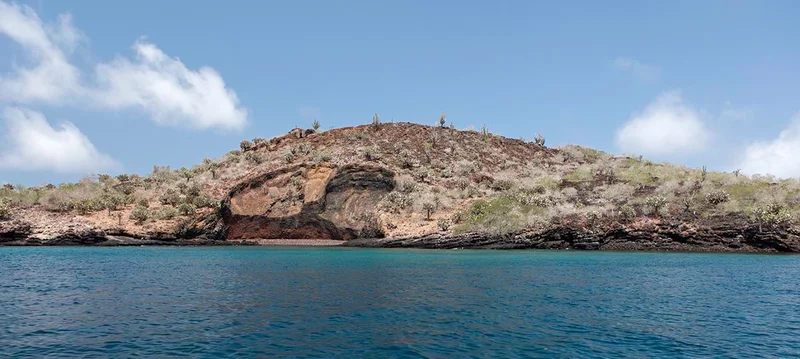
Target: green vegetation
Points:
(429, 208)
(5, 208)
(444, 224)
(246, 145)
(485, 183)
(539, 140)
(376, 121)
(140, 215)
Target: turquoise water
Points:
(336, 302)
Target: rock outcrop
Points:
(306, 202)
(724, 236)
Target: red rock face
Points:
(304, 202)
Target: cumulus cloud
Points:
(777, 157)
(164, 87)
(153, 82)
(48, 76)
(642, 71)
(33, 144)
(667, 126)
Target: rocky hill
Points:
(409, 185)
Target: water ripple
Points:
(333, 302)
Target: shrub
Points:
(140, 215)
(397, 201)
(288, 156)
(772, 215)
(656, 203)
(302, 149)
(192, 191)
(627, 213)
(371, 154)
(86, 205)
(539, 140)
(111, 201)
(234, 155)
(592, 217)
(407, 161)
(186, 173)
(320, 156)
(427, 148)
(405, 185)
(429, 208)
(444, 224)
(143, 203)
(442, 120)
(5, 208)
(259, 142)
(717, 196)
(254, 158)
(315, 124)
(167, 212)
(462, 183)
(424, 175)
(495, 217)
(170, 197)
(186, 209)
(203, 202)
(246, 145)
(502, 185)
(532, 198)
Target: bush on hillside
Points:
(444, 224)
(5, 208)
(717, 196)
(140, 215)
(246, 145)
(186, 209)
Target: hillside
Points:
(402, 184)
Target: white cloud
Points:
(32, 144)
(49, 76)
(778, 157)
(667, 126)
(642, 71)
(152, 82)
(164, 87)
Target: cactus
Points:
(539, 140)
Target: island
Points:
(410, 185)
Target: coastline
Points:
(565, 238)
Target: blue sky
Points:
(713, 83)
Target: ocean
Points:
(312, 302)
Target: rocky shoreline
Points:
(663, 236)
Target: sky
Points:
(117, 87)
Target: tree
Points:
(428, 207)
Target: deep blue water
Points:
(336, 302)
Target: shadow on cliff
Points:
(301, 202)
